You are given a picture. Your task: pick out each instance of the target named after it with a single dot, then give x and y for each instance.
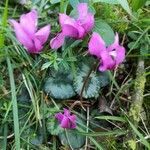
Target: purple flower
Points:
(110, 56)
(27, 33)
(66, 120)
(75, 28)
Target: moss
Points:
(137, 97)
(134, 112)
(132, 144)
(137, 101)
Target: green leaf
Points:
(144, 49)
(59, 84)
(94, 82)
(53, 127)
(132, 35)
(105, 31)
(54, 1)
(92, 9)
(63, 6)
(84, 1)
(133, 45)
(92, 86)
(103, 78)
(74, 3)
(37, 140)
(125, 6)
(143, 140)
(72, 138)
(1, 81)
(46, 65)
(106, 1)
(113, 118)
(136, 4)
(70, 43)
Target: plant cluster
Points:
(73, 74)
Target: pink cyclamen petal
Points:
(82, 10)
(120, 50)
(66, 112)
(21, 35)
(72, 120)
(65, 123)
(66, 120)
(85, 18)
(70, 30)
(88, 22)
(43, 34)
(27, 34)
(57, 41)
(70, 27)
(38, 46)
(77, 28)
(29, 22)
(59, 117)
(110, 56)
(96, 45)
(63, 19)
(107, 63)
(114, 44)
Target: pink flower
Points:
(66, 120)
(111, 56)
(75, 28)
(27, 33)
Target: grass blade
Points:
(143, 140)
(5, 137)
(113, 118)
(14, 103)
(3, 24)
(109, 133)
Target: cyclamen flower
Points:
(66, 120)
(110, 56)
(27, 33)
(75, 28)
